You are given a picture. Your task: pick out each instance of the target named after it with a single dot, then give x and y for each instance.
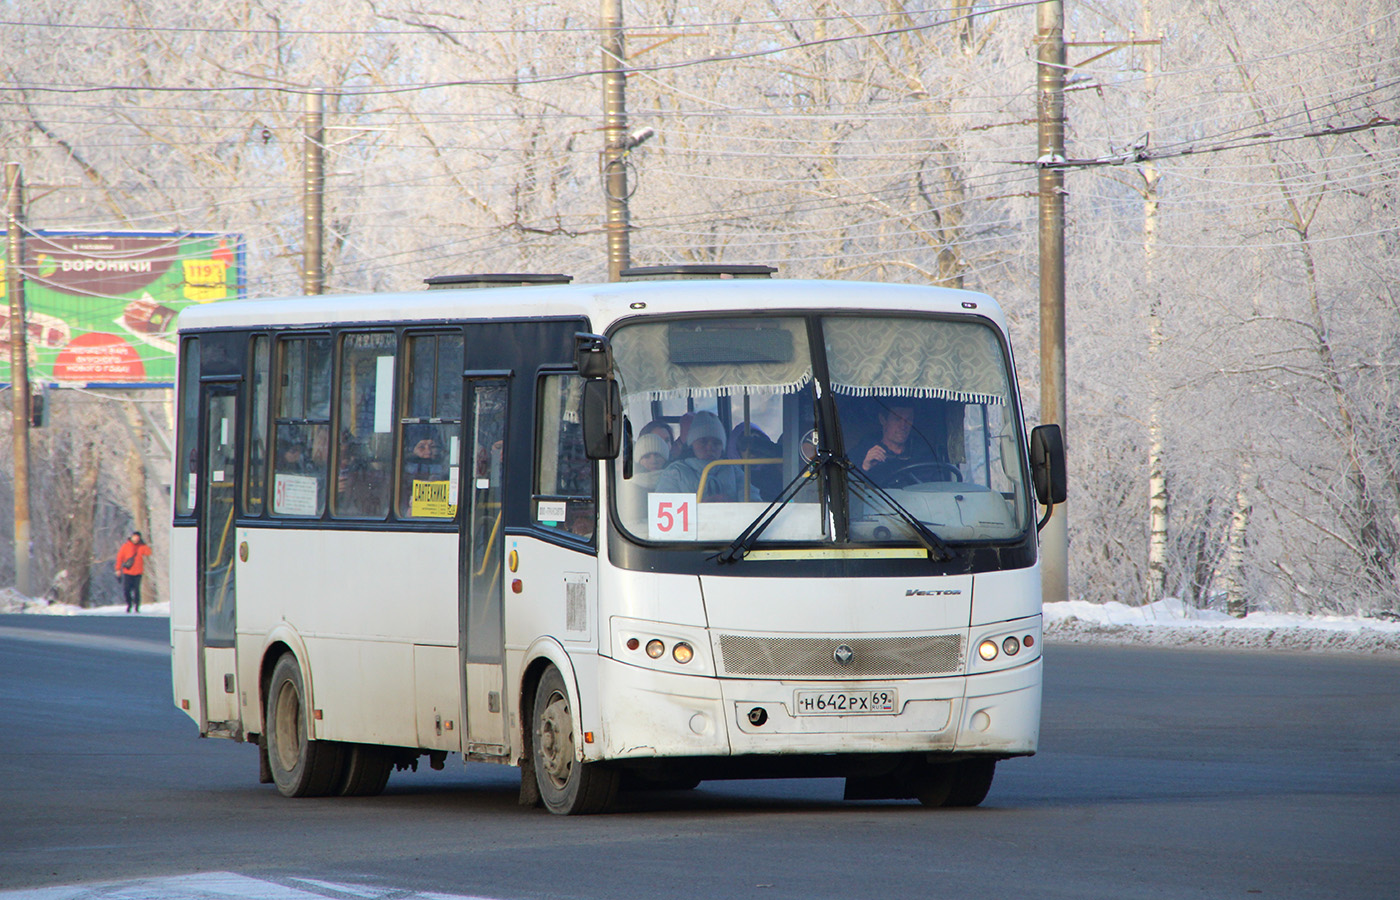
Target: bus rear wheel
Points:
(366, 770)
(568, 786)
(300, 766)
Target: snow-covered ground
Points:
(11, 601)
(1173, 623)
(1170, 623)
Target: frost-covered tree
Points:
(1233, 336)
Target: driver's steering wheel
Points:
(903, 475)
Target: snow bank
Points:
(1172, 623)
(12, 601)
(1169, 623)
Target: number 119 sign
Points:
(671, 517)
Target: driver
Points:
(899, 445)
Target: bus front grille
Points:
(868, 657)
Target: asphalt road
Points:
(1162, 774)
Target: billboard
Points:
(102, 306)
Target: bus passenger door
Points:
(218, 470)
(481, 638)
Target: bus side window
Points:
(365, 451)
(564, 475)
(430, 426)
(300, 453)
(187, 452)
(255, 455)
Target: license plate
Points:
(878, 701)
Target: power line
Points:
(518, 81)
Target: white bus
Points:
(626, 535)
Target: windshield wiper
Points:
(938, 549)
(745, 541)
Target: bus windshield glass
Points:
(910, 418)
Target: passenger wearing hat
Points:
(706, 440)
(651, 452)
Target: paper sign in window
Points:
(294, 495)
(383, 394)
(671, 517)
(433, 499)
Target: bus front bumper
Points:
(647, 714)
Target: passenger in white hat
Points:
(706, 439)
(651, 453)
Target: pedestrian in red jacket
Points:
(131, 564)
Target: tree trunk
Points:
(1236, 604)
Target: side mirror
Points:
(602, 419)
(593, 355)
(1048, 464)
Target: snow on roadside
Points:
(12, 601)
(1171, 623)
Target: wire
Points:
(516, 81)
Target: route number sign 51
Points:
(671, 517)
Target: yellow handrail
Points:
(219, 554)
(705, 472)
(490, 542)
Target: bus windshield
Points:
(888, 420)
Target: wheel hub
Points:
(288, 727)
(557, 740)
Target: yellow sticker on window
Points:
(433, 499)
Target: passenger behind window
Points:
(680, 447)
(360, 488)
(295, 458)
(579, 518)
(723, 483)
(662, 429)
(649, 456)
(425, 472)
(749, 442)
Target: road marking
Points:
(225, 886)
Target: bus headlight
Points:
(682, 653)
(987, 650)
(1011, 646)
(655, 648)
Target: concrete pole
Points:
(614, 170)
(1050, 84)
(19, 368)
(313, 190)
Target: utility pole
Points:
(313, 190)
(19, 367)
(614, 169)
(1050, 84)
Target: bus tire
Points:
(300, 766)
(957, 784)
(366, 770)
(568, 787)
(972, 782)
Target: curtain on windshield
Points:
(713, 358)
(896, 357)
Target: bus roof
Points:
(601, 304)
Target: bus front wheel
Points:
(957, 784)
(300, 766)
(568, 786)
